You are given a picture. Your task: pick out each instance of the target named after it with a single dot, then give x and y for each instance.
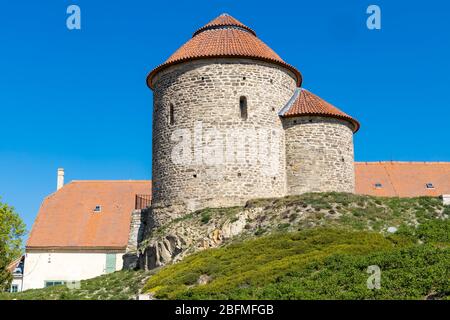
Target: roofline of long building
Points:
(36, 249)
(402, 162)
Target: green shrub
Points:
(260, 231)
(253, 264)
(312, 264)
(205, 217)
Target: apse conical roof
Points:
(305, 103)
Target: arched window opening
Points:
(243, 107)
(171, 114)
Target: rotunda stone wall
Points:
(217, 137)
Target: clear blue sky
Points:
(78, 99)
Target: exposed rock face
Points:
(162, 251)
(203, 279)
(176, 239)
(131, 261)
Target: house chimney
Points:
(60, 180)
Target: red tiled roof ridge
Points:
(95, 181)
(84, 248)
(305, 103)
(233, 42)
(224, 20)
(402, 178)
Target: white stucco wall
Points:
(446, 199)
(64, 266)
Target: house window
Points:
(14, 288)
(378, 185)
(243, 107)
(51, 283)
(98, 208)
(171, 114)
(429, 185)
(17, 270)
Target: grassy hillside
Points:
(312, 264)
(313, 246)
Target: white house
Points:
(81, 231)
(16, 269)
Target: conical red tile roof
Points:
(224, 37)
(305, 103)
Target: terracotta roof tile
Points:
(66, 218)
(224, 37)
(305, 103)
(14, 264)
(402, 179)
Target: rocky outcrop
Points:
(178, 237)
(162, 251)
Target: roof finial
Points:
(224, 14)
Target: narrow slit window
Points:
(378, 185)
(171, 114)
(243, 107)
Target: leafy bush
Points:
(435, 231)
(206, 216)
(12, 229)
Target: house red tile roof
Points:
(66, 219)
(402, 179)
(14, 264)
(305, 103)
(224, 37)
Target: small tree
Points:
(12, 229)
